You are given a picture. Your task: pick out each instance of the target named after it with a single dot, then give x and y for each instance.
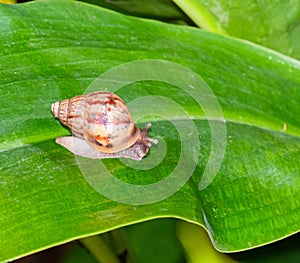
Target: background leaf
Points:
(274, 24)
(51, 50)
(163, 10)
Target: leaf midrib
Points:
(31, 140)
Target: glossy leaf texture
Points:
(273, 24)
(52, 50)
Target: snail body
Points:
(102, 126)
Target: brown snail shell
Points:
(102, 121)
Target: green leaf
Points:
(53, 50)
(274, 24)
(164, 10)
(160, 237)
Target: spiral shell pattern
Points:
(101, 118)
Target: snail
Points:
(102, 127)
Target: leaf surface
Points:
(53, 50)
(273, 24)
